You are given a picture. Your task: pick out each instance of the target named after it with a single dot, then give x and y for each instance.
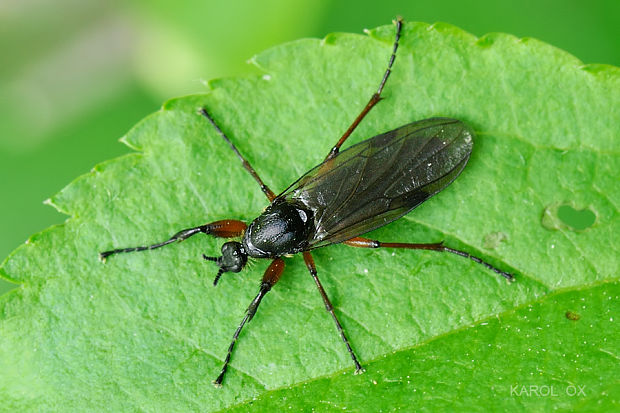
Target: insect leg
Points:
(271, 276)
(268, 192)
(369, 243)
(328, 306)
(374, 99)
(227, 228)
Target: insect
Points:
(350, 193)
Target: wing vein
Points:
(376, 181)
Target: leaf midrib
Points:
(422, 343)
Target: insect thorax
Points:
(283, 228)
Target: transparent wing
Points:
(379, 180)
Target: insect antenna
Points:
(217, 277)
(217, 260)
(214, 259)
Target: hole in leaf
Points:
(565, 216)
(578, 220)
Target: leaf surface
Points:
(147, 331)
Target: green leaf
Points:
(147, 331)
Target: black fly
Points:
(349, 194)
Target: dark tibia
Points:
(369, 243)
(227, 228)
(374, 99)
(268, 192)
(272, 275)
(248, 316)
(328, 306)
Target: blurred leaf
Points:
(148, 331)
(181, 43)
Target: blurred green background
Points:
(76, 75)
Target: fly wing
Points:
(379, 180)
